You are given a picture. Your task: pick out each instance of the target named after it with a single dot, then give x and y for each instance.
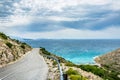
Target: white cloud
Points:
(27, 11)
(43, 8)
(13, 21)
(115, 5)
(58, 18)
(34, 6)
(109, 33)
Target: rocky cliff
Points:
(11, 49)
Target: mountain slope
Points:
(110, 60)
(11, 49)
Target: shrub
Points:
(22, 46)
(54, 63)
(17, 41)
(26, 45)
(3, 35)
(69, 64)
(75, 77)
(105, 74)
(94, 69)
(70, 71)
(44, 51)
(9, 44)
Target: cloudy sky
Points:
(61, 19)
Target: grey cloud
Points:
(6, 8)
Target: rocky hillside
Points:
(110, 60)
(11, 49)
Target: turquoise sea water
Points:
(77, 51)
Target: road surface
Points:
(31, 67)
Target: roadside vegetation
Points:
(75, 75)
(45, 52)
(102, 72)
(3, 36)
(72, 74)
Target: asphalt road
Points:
(31, 67)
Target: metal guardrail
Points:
(59, 67)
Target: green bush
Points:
(2, 35)
(54, 63)
(17, 41)
(22, 46)
(105, 74)
(75, 77)
(44, 51)
(94, 69)
(69, 64)
(9, 45)
(70, 71)
(25, 44)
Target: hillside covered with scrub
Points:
(11, 49)
(73, 71)
(84, 72)
(110, 61)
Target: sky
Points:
(60, 19)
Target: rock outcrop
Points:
(11, 49)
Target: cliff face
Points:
(11, 49)
(110, 60)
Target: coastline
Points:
(96, 63)
(53, 73)
(92, 63)
(78, 49)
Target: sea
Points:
(79, 51)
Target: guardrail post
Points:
(65, 77)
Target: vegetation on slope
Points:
(103, 72)
(111, 60)
(68, 67)
(11, 49)
(75, 75)
(3, 36)
(111, 63)
(44, 51)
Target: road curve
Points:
(31, 67)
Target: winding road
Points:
(31, 67)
